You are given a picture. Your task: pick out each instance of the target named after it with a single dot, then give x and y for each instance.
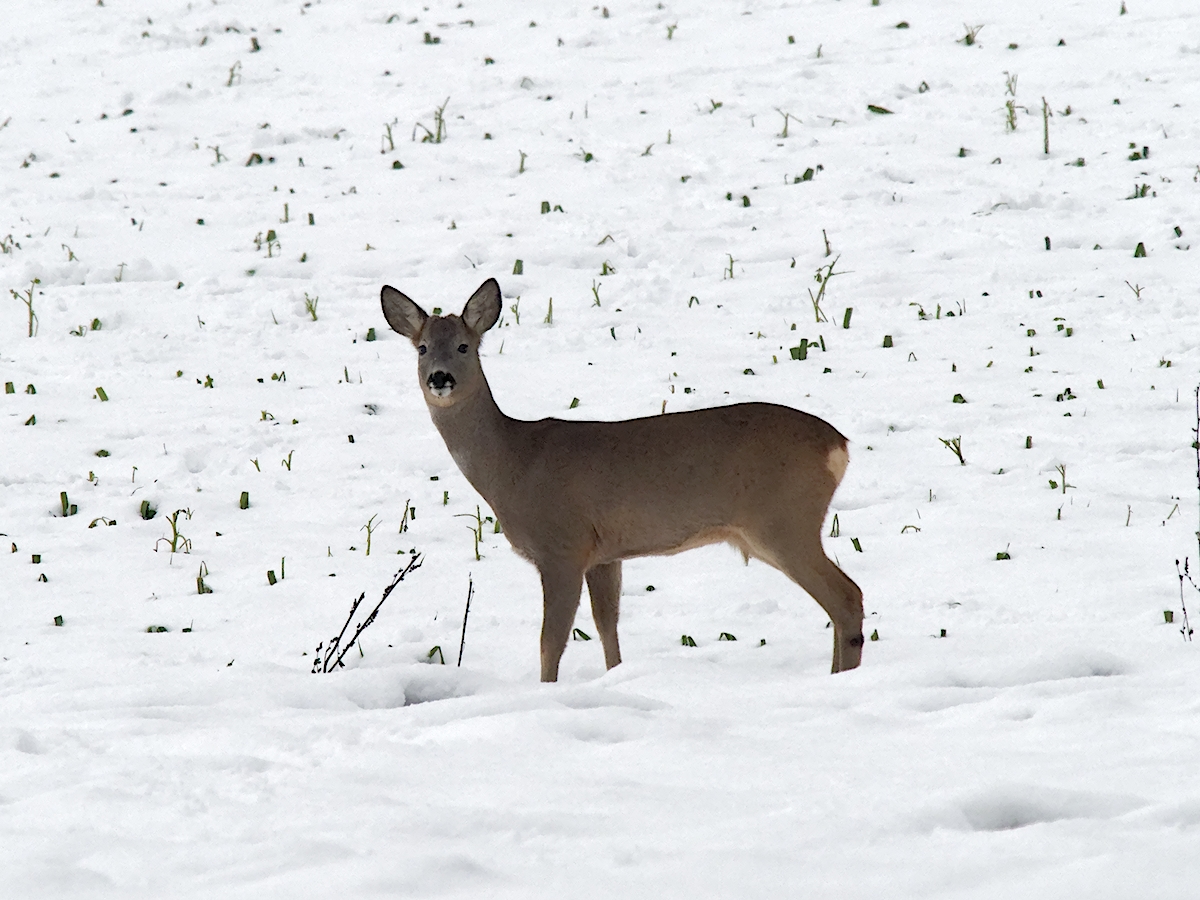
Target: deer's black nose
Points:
(441, 380)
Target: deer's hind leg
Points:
(802, 559)
(604, 587)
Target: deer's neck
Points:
(482, 441)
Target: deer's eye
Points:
(421, 349)
(462, 348)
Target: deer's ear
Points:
(402, 314)
(483, 309)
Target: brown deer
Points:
(576, 498)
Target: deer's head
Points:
(448, 346)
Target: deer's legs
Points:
(604, 587)
(840, 597)
(561, 587)
(850, 642)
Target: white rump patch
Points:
(836, 461)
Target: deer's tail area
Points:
(836, 461)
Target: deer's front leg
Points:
(561, 587)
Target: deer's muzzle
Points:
(441, 383)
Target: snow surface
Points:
(1046, 747)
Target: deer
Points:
(576, 498)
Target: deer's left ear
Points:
(483, 309)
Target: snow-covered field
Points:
(1044, 747)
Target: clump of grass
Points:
(439, 132)
(26, 297)
(822, 276)
(176, 543)
(1062, 473)
(968, 39)
(387, 143)
(201, 586)
(476, 529)
(310, 305)
(954, 445)
(787, 117)
(272, 242)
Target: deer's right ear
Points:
(402, 314)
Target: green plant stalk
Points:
(26, 297)
(822, 276)
(369, 528)
(954, 445)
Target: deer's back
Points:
(663, 483)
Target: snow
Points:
(1043, 748)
